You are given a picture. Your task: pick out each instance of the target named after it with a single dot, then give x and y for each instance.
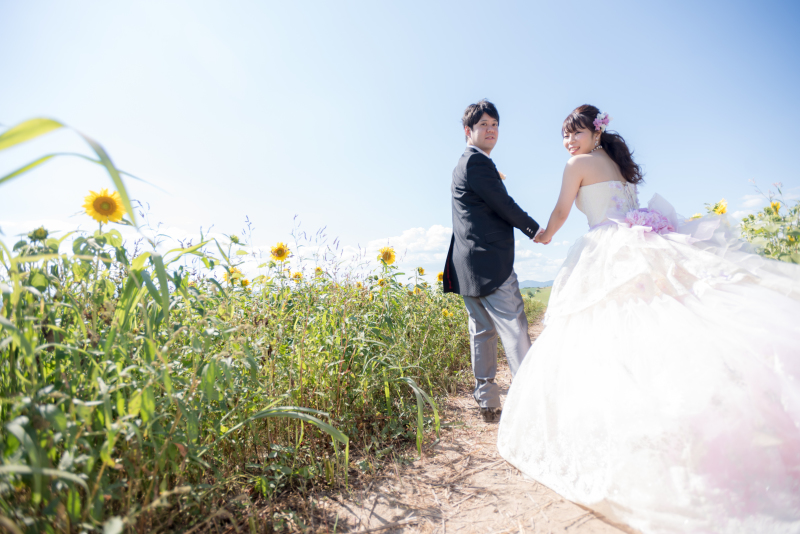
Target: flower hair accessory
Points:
(601, 122)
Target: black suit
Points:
(481, 255)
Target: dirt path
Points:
(461, 485)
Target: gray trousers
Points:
(501, 312)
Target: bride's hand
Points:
(540, 238)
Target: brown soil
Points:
(461, 484)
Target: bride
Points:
(665, 391)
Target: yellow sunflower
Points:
(420, 271)
(297, 276)
(245, 282)
(104, 207)
(721, 207)
(417, 290)
(386, 255)
(233, 276)
(359, 285)
(318, 271)
(776, 206)
(440, 277)
(446, 313)
(279, 252)
(382, 282)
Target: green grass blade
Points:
(27, 470)
(25, 131)
(26, 168)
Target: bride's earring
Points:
(596, 144)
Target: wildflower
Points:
(382, 282)
(318, 271)
(104, 207)
(417, 290)
(233, 275)
(446, 313)
(370, 297)
(297, 276)
(359, 285)
(192, 284)
(440, 277)
(245, 282)
(420, 271)
(279, 252)
(776, 206)
(410, 293)
(235, 239)
(40, 234)
(386, 255)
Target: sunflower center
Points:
(105, 205)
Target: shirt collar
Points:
(479, 150)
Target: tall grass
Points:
(138, 394)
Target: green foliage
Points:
(775, 229)
(137, 392)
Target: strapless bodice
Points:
(606, 200)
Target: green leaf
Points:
(148, 403)
(25, 131)
(135, 404)
(138, 262)
(242, 253)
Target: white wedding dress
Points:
(664, 391)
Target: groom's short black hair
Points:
(474, 112)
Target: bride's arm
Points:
(570, 184)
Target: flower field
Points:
(142, 391)
(146, 390)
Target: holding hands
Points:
(541, 237)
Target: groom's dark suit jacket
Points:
(481, 254)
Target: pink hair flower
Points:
(601, 122)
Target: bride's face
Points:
(581, 141)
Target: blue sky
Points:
(347, 114)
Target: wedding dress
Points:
(664, 391)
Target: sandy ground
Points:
(461, 484)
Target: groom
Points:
(480, 263)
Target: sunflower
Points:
(420, 271)
(440, 277)
(382, 282)
(104, 207)
(776, 206)
(386, 255)
(318, 271)
(40, 234)
(245, 282)
(720, 207)
(417, 290)
(446, 313)
(359, 285)
(232, 276)
(235, 239)
(279, 252)
(297, 276)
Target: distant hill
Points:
(533, 283)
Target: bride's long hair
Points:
(612, 142)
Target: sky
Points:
(346, 116)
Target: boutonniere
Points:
(502, 176)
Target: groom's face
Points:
(483, 133)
